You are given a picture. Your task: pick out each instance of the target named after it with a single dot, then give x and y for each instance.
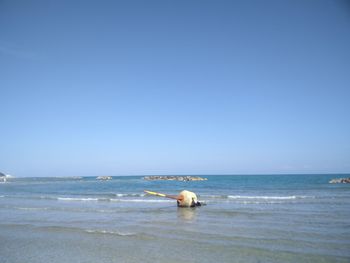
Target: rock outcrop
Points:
(340, 181)
(174, 178)
(4, 177)
(104, 178)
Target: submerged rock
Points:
(340, 181)
(174, 178)
(4, 177)
(104, 177)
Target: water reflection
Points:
(186, 213)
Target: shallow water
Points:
(263, 218)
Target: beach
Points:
(251, 218)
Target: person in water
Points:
(184, 198)
(187, 199)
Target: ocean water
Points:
(251, 218)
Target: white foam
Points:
(110, 232)
(31, 208)
(113, 200)
(266, 197)
(76, 199)
(129, 195)
(260, 202)
(213, 196)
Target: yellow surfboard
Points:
(161, 195)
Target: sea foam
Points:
(118, 233)
(76, 199)
(265, 197)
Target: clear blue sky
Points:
(174, 87)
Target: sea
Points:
(244, 218)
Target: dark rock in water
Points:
(3, 177)
(174, 178)
(340, 181)
(104, 178)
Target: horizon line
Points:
(143, 175)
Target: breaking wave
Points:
(266, 197)
(129, 195)
(118, 233)
(76, 199)
(142, 198)
(62, 228)
(257, 197)
(32, 208)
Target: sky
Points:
(92, 88)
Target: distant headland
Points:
(174, 178)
